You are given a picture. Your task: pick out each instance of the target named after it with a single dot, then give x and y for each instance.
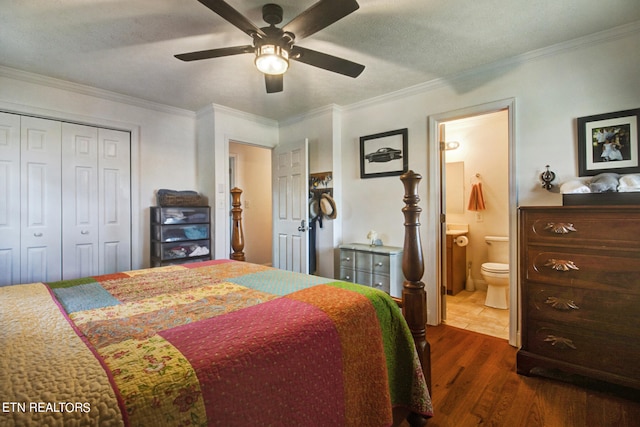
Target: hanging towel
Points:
(476, 200)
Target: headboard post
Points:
(237, 235)
(414, 297)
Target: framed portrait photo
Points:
(608, 143)
(384, 154)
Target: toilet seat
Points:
(495, 267)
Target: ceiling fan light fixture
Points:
(272, 59)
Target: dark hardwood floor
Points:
(475, 383)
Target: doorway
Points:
(476, 169)
(250, 170)
(500, 216)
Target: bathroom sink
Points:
(457, 229)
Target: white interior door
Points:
(291, 207)
(79, 201)
(40, 205)
(9, 199)
(114, 193)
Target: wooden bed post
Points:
(237, 235)
(414, 297)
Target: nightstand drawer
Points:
(347, 274)
(382, 282)
(347, 258)
(363, 261)
(380, 264)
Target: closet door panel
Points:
(9, 199)
(40, 205)
(114, 190)
(80, 225)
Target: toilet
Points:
(496, 272)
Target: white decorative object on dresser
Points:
(377, 266)
(580, 291)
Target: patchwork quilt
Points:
(222, 343)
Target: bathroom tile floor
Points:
(466, 310)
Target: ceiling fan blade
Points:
(215, 53)
(233, 16)
(320, 15)
(274, 83)
(327, 62)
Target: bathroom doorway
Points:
(477, 149)
(250, 170)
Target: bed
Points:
(221, 342)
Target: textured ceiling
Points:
(127, 46)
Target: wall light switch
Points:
(479, 217)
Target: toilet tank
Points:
(498, 248)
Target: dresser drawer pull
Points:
(379, 264)
(562, 303)
(560, 227)
(560, 342)
(561, 264)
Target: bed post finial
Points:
(237, 235)
(414, 297)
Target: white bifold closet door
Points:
(40, 200)
(65, 200)
(96, 220)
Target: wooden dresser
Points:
(580, 291)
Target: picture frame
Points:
(384, 154)
(609, 143)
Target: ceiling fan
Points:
(274, 46)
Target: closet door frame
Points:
(139, 222)
(138, 245)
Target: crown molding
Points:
(327, 109)
(52, 82)
(580, 42)
(217, 108)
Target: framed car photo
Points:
(384, 154)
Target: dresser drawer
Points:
(347, 274)
(583, 227)
(585, 308)
(380, 264)
(347, 258)
(605, 269)
(382, 282)
(589, 349)
(363, 260)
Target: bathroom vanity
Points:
(456, 263)
(580, 291)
